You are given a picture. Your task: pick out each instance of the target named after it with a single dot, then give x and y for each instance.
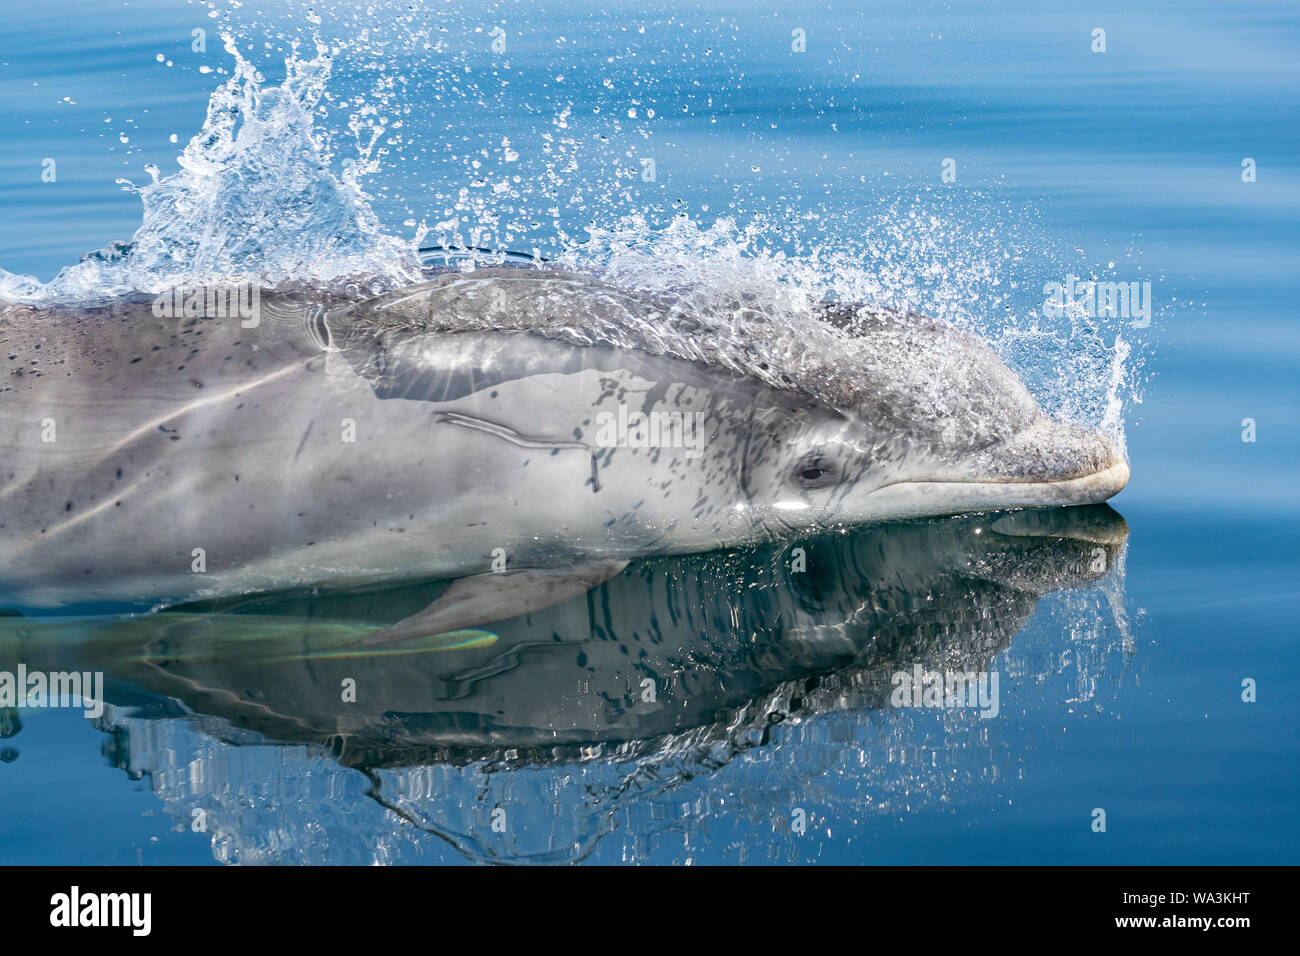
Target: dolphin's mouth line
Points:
(1090, 488)
(1117, 469)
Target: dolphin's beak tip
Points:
(1114, 478)
(1122, 472)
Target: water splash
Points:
(904, 258)
(256, 200)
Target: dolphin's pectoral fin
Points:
(496, 596)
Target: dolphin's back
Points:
(899, 370)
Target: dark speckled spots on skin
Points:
(118, 474)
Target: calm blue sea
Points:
(822, 121)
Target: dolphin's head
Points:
(920, 418)
(845, 417)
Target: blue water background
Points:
(1132, 156)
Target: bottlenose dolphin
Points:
(677, 652)
(534, 422)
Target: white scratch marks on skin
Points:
(505, 432)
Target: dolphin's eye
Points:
(815, 472)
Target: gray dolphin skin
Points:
(679, 652)
(535, 422)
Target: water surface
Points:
(1120, 688)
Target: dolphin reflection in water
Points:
(672, 652)
(576, 710)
